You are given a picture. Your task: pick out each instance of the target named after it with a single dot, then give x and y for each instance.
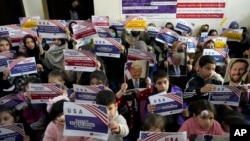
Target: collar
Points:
(235, 84)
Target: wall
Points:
(36, 8)
(238, 10)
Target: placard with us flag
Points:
(190, 41)
(29, 22)
(153, 31)
(4, 56)
(86, 120)
(100, 21)
(183, 25)
(104, 32)
(86, 94)
(167, 103)
(166, 35)
(225, 94)
(220, 42)
(83, 30)
(79, 60)
(135, 23)
(22, 66)
(218, 54)
(51, 28)
(119, 25)
(135, 54)
(163, 136)
(12, 101)
(12, 132)
(108, 47)
(232, 34)
(42, 92)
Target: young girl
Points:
(202, 120)
(10, 116)
(5, 44)
(54, 131)
(154, 123)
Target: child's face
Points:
(207, 71)
(162, 84)
(6, 118)
(4, 46)
(112, 108)
(56, 80)
(29, 43)
(96, 82)
(205, 121)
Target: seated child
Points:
(118, 125)
(202, 121)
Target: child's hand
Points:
(122, 49)
(185, 113)
(39, 67)
(64, 93)
(73, 96)
(98, 65)
(114, 127)
(6, 73)
(124, 87)
(151, 108)
(207, 88)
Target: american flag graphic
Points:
(31, 32)
(17, 128)
(152, 136)
(54, 88)
(235, 90)
(127, 68)
(59, 23)
(10, 96)
(86, 24)
(12, 27)
(98, 111)
(7, 54)
(84, 29)
(129, 18)
(175, 97)
(222, 52)
(93, 88)
(114, 42)
(14, 62)
(89, 54)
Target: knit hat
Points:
(54, 100)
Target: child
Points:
(154, 123)
(10, 116)
(199, 86)
(98, 78)
(202, 121)
(118, 124)
(54, 131)
(161, 83)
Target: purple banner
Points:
(148, 6)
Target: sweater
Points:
(55, 133)
(192, 127)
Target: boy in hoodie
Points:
(117, 125)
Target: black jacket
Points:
(192, 91)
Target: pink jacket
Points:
(191, 127)
(55, 133)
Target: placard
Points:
(4, 56)
(163, 136)
(12, 101)
(86, 120)
(22, 66)
(100, 21)
(232, 34)
(167, 103)
(135, 54)
(227, 95)
(29, 22)
(135, 23)
(108, 47)
(218, 54)
(79, 60)
(191, 43)
(86, 94)
(41, 93)
(166, 35)
(51, 28)
(12, 132)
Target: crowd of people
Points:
(130, 110)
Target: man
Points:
(236, 72)
(136, 81)
(176, 69)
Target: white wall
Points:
(236, 10)
(36, 8)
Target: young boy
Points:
(118, 125)
(199, 86)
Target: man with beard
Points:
(236, 72)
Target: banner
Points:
(4, 56)
(12, 132)
(86, 94)
(163, 136)
(86, 120)
(22, 66)
(41, 93)
(201, 9)
(152, 9)
(167, 103)
(12, 101)
(79, 60)
(108, 47)
(135, 54)
(51, 28)
(218, 54)
(224, 94)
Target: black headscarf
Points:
(31, 52)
